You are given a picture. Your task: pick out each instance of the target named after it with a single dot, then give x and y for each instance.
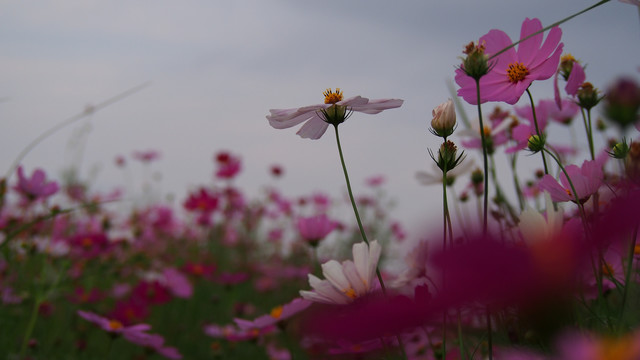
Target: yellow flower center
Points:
(486, 130)
(567, 58)
(617, 349)
(517, 72)
(568, 192)
(115, 325)
(276, 312)
(331, 97)
(636, 250)
(350, 293)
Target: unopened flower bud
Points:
(588, 96)
(447, 156)
(566, 65)
(444, 119)
(622, 102)
(600, 125)
(536, 143)
(620, 150)
(477, 177)
(476, 64)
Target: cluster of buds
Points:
(476, 63)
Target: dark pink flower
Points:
(201, 201)
(89, 245)
(228, 165)
(151, 292)
(36, 187)
(514, 70)
(312, 115)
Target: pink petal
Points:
(552, 41)
(528, 48)
(576, 78)
(497, 40)
(557, 192)
(549, 67)
(286, 118)
(314, 128)
(376, 106)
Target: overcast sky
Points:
(216, 68)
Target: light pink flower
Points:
(586, 179)
(631, 2)
(315, 122)
(277, 314)
(146, 156)
(36, 187)
(514, 70)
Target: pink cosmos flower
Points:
(315, 122)
(135, 334)
(348, 280)
(36, 187)
(201, 201)
(514, 70)
(177, 283)
(315, 228)
(228, 165)
(586, 179)
(277, 314)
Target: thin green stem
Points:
(353, 204)
(485, 161)
(549, 27)
(535, 122)
(30, 325)
(516, 181)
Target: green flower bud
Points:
(536, 143)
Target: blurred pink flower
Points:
(146, 156)
(201, 201)
(312, 115)
(348, 280)
(315, 228)
(514, 70)
(177, 283)
(228, 165)
(277, 314)
(36, 187)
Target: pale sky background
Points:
(217, 67)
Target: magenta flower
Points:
(36, 187)
(314, 116)
(228, 165)
(315, 228)
(201, 201)
(177, 283)
(514, 70)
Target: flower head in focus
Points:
(513, 70)
(348, 280)
(334, 110)
(586, 180)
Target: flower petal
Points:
(314, 128)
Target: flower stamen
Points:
(331, 97)
(276, 312)
(516, 72)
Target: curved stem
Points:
(88, 111)
(353, 204)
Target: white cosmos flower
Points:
(348, 280)
(534, 227)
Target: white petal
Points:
(332, 271)
(376, 106)
(356, 281)
(532, 225)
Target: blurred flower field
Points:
(546, 271)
